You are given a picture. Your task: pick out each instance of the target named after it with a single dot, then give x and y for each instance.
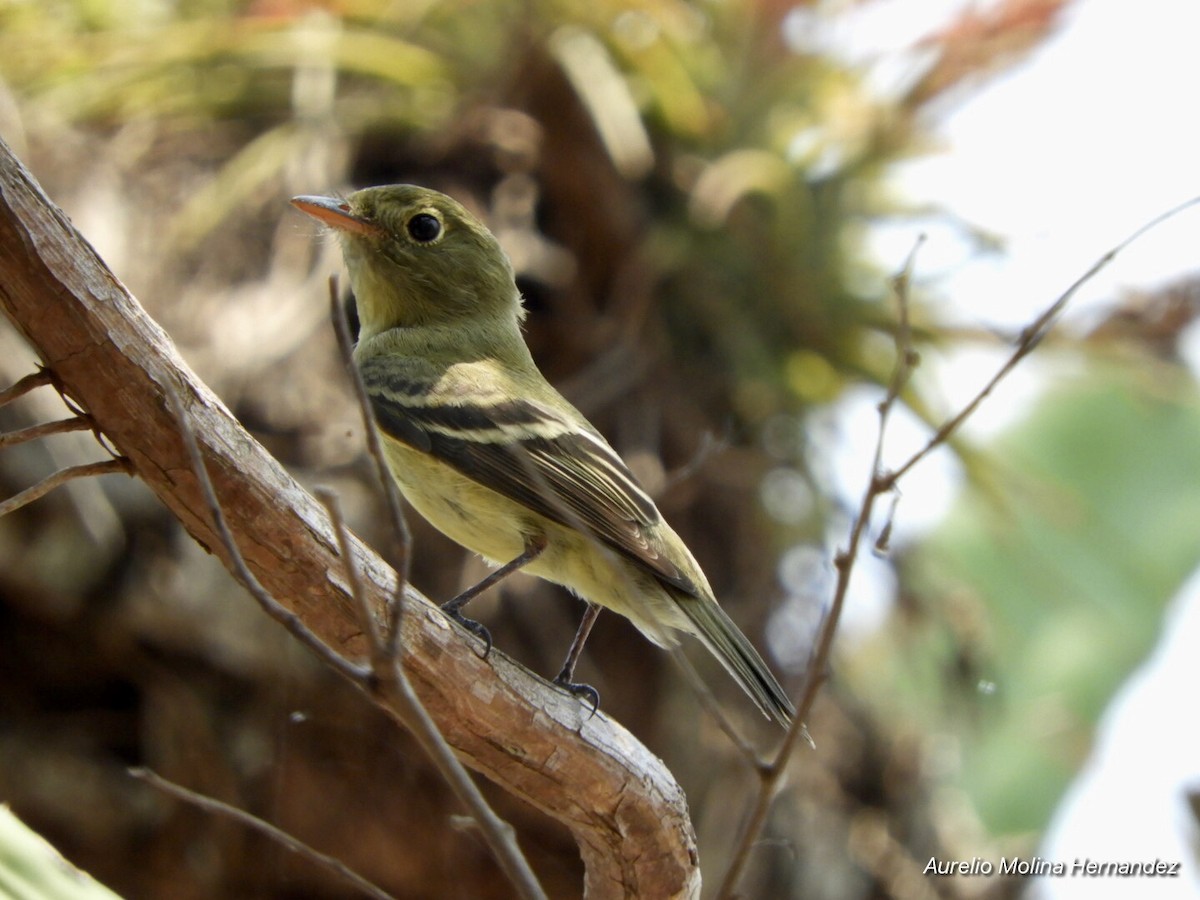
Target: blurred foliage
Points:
(1054, 602)
(683, 188)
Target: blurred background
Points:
(704, 202)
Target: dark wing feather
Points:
(527, 453)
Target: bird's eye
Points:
(424, 227)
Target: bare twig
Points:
(61, 477)
(279, 836)
(33, 432)
(710, 446)
(384, 678)
(1029, 338)
(390, 683)
(366, 615)
(814, 676)
(881, 483)
(25, 385)
(395, 509)
(705, 695)
(883, 542)
(241, 571)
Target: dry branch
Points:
(623, 807)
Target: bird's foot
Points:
(583, 691)
(453, 608)
(452, 611)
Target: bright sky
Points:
(1062, 158)
(1092, 136)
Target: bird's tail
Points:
(723, 639)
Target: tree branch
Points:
(623, 807)
(61, 477)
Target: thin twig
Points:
(33, 432)
(883, 542)
(710, 446)
(25, 385)
(1030, 337)
(705, 695)
(237, 562)
(366, 615)
(881, 483)
(906, 361)
(815, 673)
(253, 822)
(61, 477)
(395, 508)
(392, 685)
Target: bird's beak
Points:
(336, 214)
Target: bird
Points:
(490, 453)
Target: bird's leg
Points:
(563, 678)
(453, 608)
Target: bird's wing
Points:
(529, 453)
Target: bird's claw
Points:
(471, 625)
(580, 690)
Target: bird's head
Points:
(417, 257)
